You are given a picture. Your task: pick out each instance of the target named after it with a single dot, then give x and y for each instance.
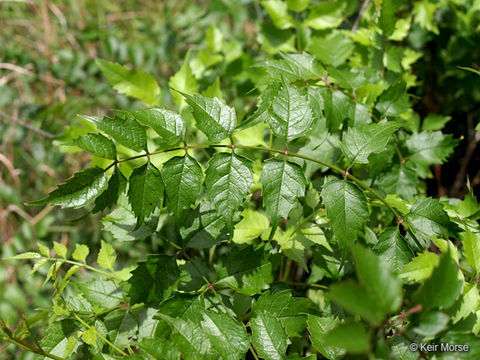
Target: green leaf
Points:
(106, 256)
(227, 336)
(77, 191)
(81, 252)
(393, 101)
(56, 337)
(359, 142)
(428, 219)
(399, 180)
(166, 123)
(250, 227)
(349, 336)
(430, 147)
(298, 5)
(145, 190)
(376, 276)
(127, 131)
(247, 271)
(135, 83)
(183, 180)
(318, 327)
(268, 336)
(430, 324)
(357, 300)
(283, 183)
(471, 70)
(25, 256)
(278, 11)
(393, 248)
(332, 49)
(213, 117)
(387, 17)
(60, 249)
(103, 293)
(116, 186)
(471, 249)
(443, 287)
(291, 311)
(347, 209)
(421, 267)
(154, 280)
(97, 144)
(435, 122)
(90, 336)
(190, 339)
(184, 81)
(228, 180)
(326, 15)
(290, 115)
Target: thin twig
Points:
(27, 126)
(360, 14)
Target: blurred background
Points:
(48, 75)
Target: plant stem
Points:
(275, 151)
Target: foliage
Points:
(294, 229)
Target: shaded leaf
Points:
(166, 123)
(97, 144)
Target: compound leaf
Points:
(97, 144)
(283, 183)
(359, 142)
(145, 190)
(290, 115)
(214, 118)
(135, 83)
(127, 131)
(166, 123)
(228, 180)
(77, 191)
(346, 207)
(183, 180)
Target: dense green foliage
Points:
(278, 195)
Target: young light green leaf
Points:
(25, 256)
(184, 81)
(278, 11)
(135, 83)
(77, 191)
(89, 336)
(331, 49)
(421, 267)
(298, 5)
(325, 15)
(347, 209)
(359, 142)
(268, 336)
(227, 336)
(250, 227)
(116, 186)
(283, 183)
(183, 180)
(145, 190)
(471, 249)
(213, 117)
(393, 248)
(97, 144)
(443, 287)
(106, 256)
(228, 180)
(127, 131)
(290, 115)
(166, 123)
(293, 67)
(81, 252)
(60, 249)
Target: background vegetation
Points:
(49, 74)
